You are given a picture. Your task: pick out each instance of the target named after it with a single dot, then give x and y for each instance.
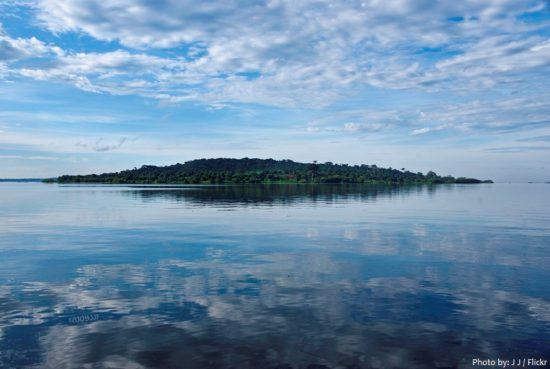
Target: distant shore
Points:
(22, 179)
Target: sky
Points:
(458, 87)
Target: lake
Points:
(286, 276)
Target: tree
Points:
(313, 169)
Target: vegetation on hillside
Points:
(223, 171)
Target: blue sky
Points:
(459, 87)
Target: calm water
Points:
(273, 277)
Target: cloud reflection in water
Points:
(355, 291)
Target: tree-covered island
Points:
(246, 170)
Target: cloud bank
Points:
(282, 53)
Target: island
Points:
(251, 170)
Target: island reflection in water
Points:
(272, 276)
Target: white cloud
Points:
(13, 49)
(284, 53)
(222, 25)
(420, 131)
(352, 127)
(497, 116)
(361, 127)
(488, 116)
(423, 130)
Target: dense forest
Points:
(223, 171)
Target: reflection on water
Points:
(290, 277)
(274, 194)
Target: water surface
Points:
(273, 276)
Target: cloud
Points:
(162, 24)
(545, 138)
(284, 53)
(362, 127)
(489, 115)
(516, 149)
(13, 49)
(420, 131)
(355, 121)
(352, 127)
(482, 116)
(423, 130)
(44, 141)
(101, 146)
(495, 58)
